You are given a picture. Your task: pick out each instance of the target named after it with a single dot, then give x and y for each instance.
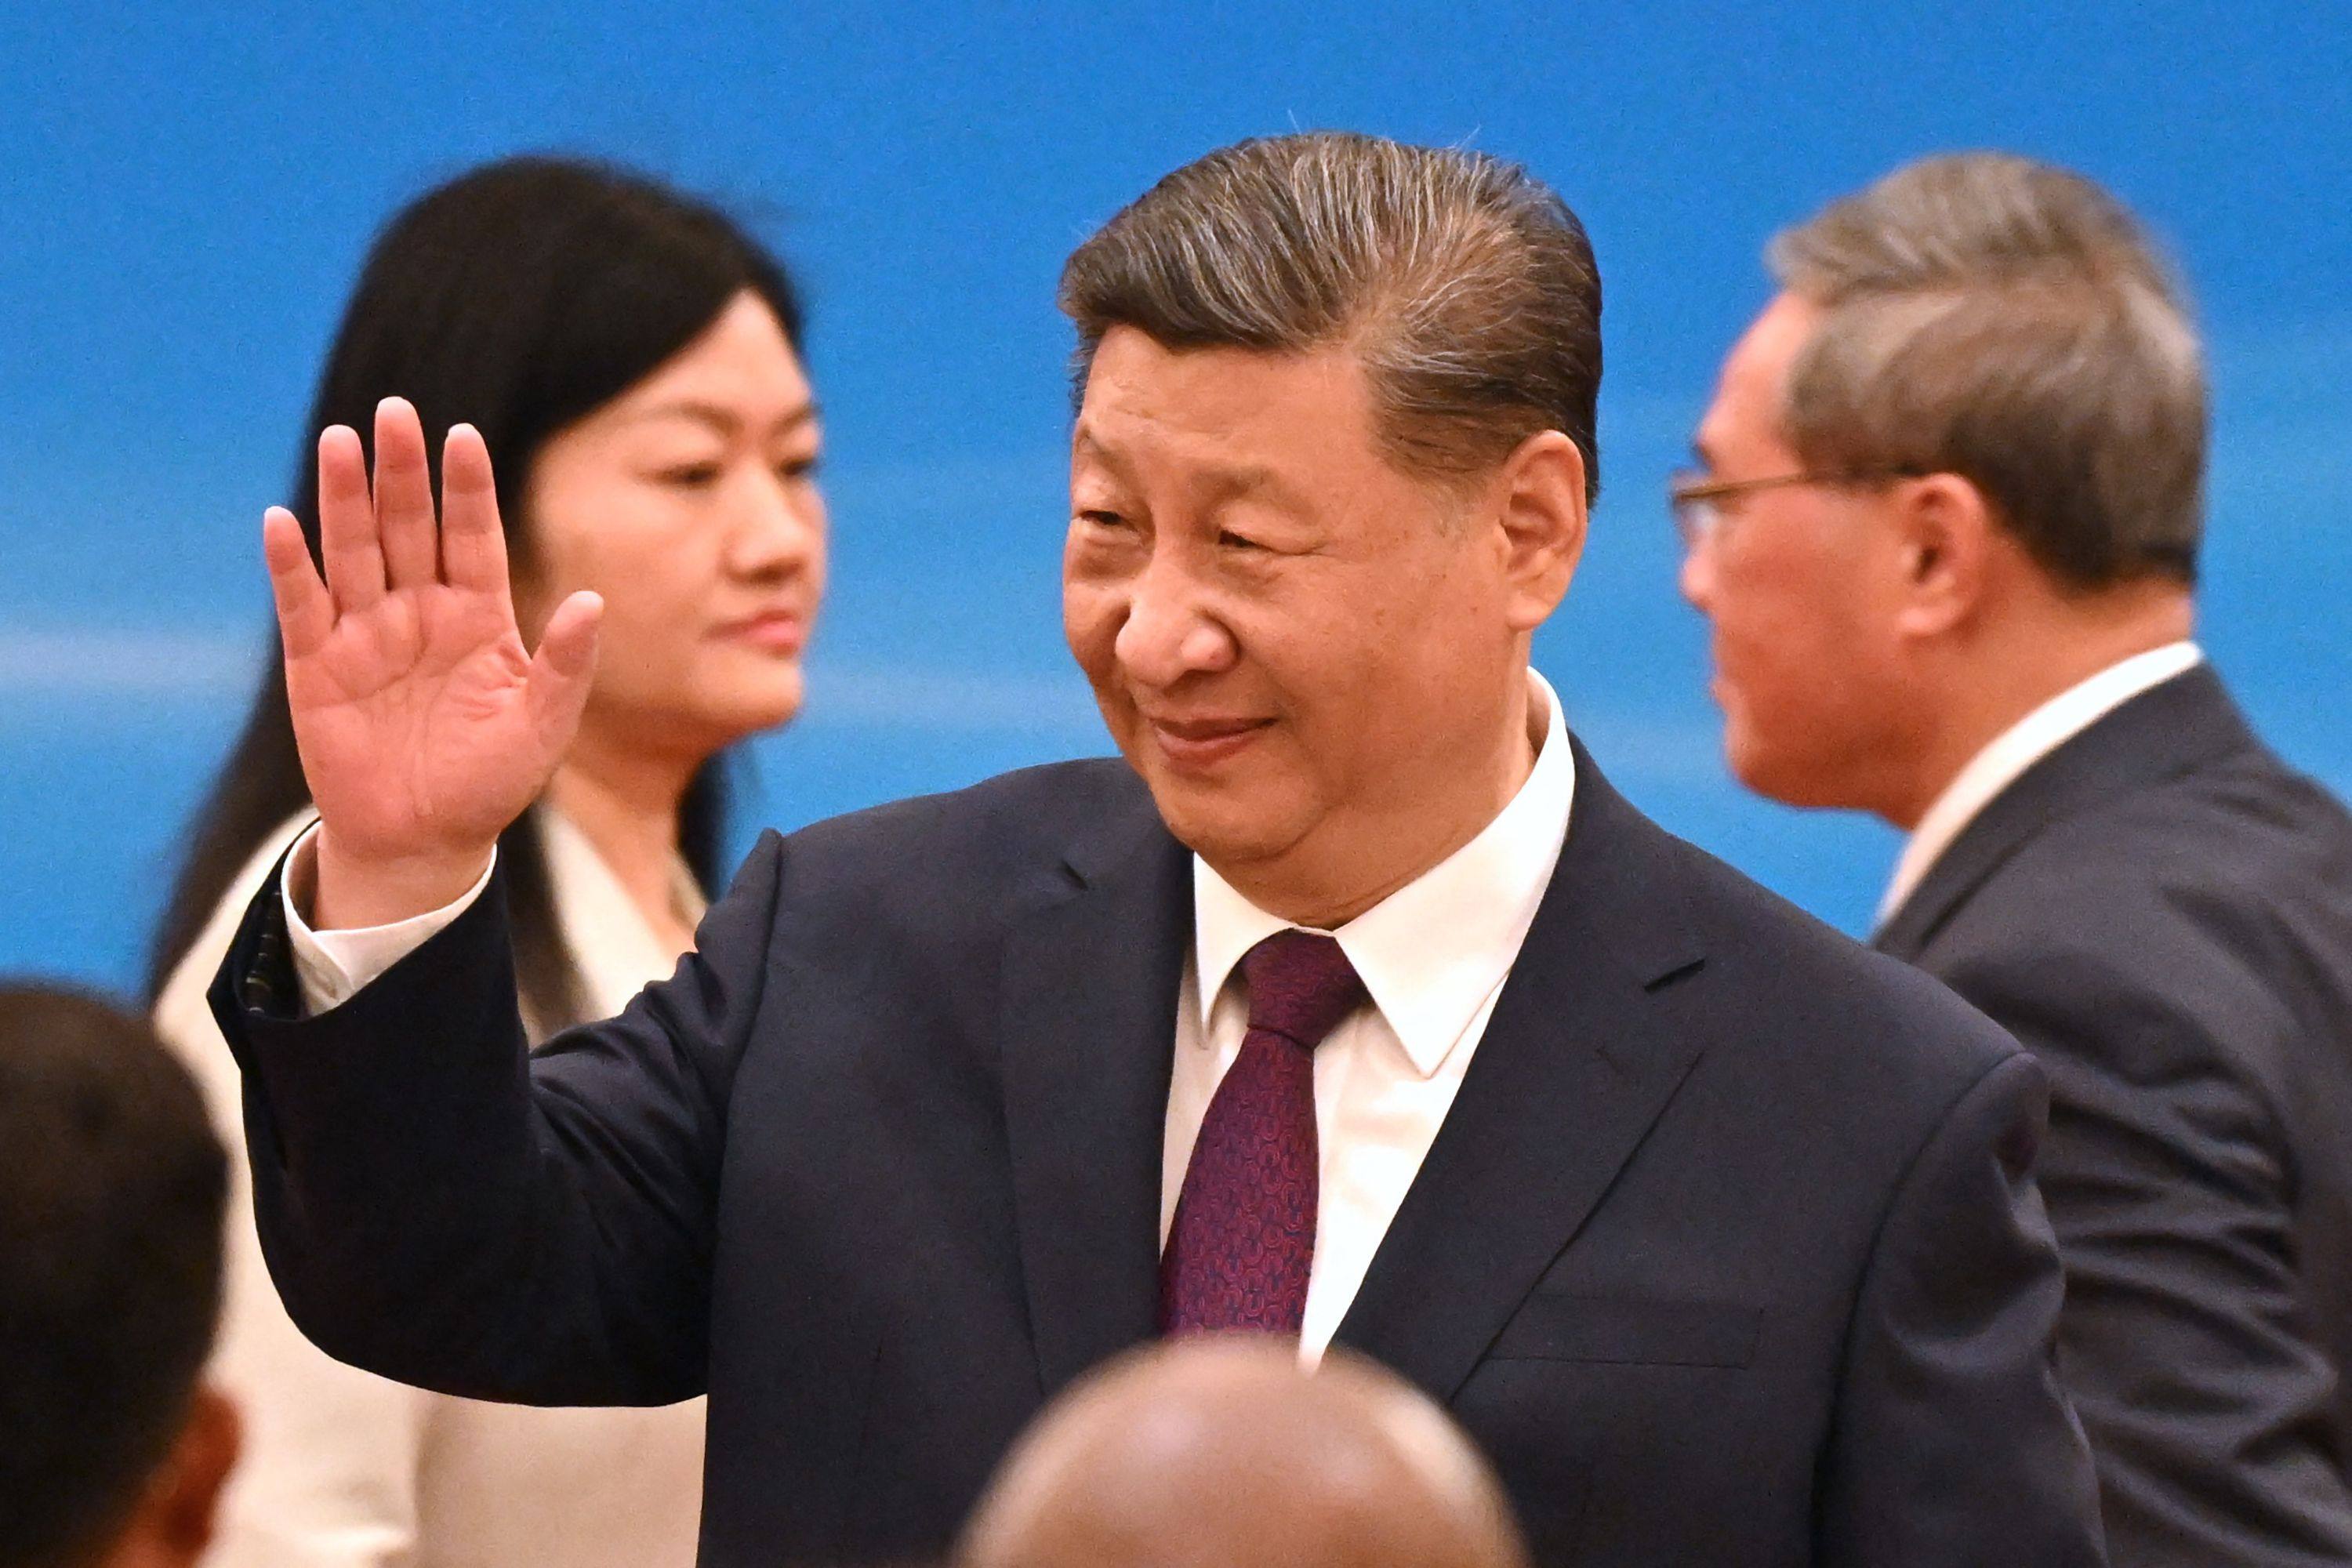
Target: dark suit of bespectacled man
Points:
(1961, 596)
(1352, 1003)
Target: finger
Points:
(473, 547)
(404, 497)
(305, 612)
(347, 536)
(563, 669)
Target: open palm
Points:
(424, 726)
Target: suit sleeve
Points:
(1953, 1443)
(2186, 1342)
(441, 1205)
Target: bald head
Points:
(1221, 1453)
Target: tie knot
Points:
(1301, 985)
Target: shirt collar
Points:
(2018, 748)
(1433, 951)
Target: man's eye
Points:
(691, 476)
(1103, 519)
(1229, 540)
(796, 469)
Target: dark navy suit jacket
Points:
(2161, 911)
(1728, 1252)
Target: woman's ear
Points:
(1540, 506)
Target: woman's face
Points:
(691, 503)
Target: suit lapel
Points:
(1090, 1011)
(1576, 1064)
(2168, 730)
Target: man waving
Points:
(1352, 1004)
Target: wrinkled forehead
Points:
(1248, 418)
(1221, 389)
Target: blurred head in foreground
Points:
(111, 1184)
(1955, 468)
(1221, 1453)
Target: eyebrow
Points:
(1230, 483)
(1223, 484)
(720, 418)
(1084, 444)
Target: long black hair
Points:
(520, 297)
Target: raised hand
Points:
(424, 726)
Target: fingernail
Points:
(392, 404)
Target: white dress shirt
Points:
(2018, 748)
(331, 965)
(1433, 956)
(345, 1469)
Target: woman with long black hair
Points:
(633, 358)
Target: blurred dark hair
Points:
(520, 297)
(113, 1189)
(2009, 321)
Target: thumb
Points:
(564, 667)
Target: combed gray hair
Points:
(1465, 285)
(1992, 317)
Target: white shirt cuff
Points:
(332, 965)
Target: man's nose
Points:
(1697, 579)
(778, 525)
(1169, 633)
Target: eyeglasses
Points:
(1698, 501)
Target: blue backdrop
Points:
(188, 190)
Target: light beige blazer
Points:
(344, 1468)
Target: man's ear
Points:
(175, 1521)
(1539, 505)
(1945, 528)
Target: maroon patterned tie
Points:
(1244, 1235)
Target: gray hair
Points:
(1992, 317)
(1464, 285)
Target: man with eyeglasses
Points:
(1946, 537)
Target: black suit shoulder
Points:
(2185, 902)
(1000, 825)
(932, 867)
(907, 907)
(1825, 1004)
(2233, 845)
(2243, 834)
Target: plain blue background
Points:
(188, 190)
